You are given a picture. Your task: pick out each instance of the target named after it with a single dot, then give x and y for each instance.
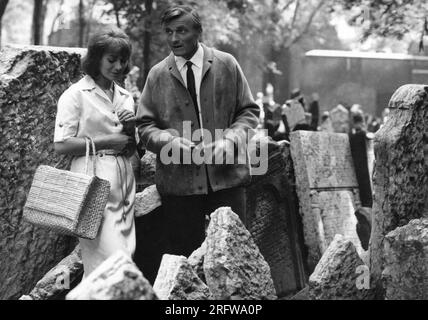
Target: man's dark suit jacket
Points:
(226, 103)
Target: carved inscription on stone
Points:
(327, 189)
(325, 159)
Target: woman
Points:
(97, 107)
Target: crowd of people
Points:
(297, 113)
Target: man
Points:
(195, 87)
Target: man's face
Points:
(182, 37)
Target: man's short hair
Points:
(175, 12)
(102, 41)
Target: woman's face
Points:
(112, 65)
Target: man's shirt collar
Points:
(197, 59)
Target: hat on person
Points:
(295, 94)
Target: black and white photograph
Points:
(215, 157)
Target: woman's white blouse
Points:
(85, 110)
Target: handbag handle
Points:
(90, 144)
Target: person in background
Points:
(326, 125)
(272, 111)
(314, 109)
(97, 107)
(259, 102)
(358, 143)
(297, 96)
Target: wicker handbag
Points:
(68, 202)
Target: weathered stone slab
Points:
(400, 173)
(272, 217)
(405, 275)
(176, 280)
(147, 170)
(117, 278)
(336, 210)
(196, 261)
(322, 160)
(58, 279)
(327, 189)
(340, 119)
(336, 276)
(233, 265)
(147, 201)
(326, 125)
(32, 78)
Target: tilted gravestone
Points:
(32, 78)
(327, 189)
(337, 274)
(401, 171)
(273, 220)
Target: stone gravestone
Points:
(295, 113)
(327, 189)
(176, 280)
(59, 280)
(273, 220)
(340, 119)
(32, 78)
(337, 274)
(116, 278)
(400, 177)
(406, 262)
(233, 266)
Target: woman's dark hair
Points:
(175, 12)
(101, 42)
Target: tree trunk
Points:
(57, 16)
(116, 8)
(147, 39)
(81, 22)
(3, 5)
(39, 13)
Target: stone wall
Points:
(31, 80)
(400, 175)
(327, 189)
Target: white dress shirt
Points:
(198, 61)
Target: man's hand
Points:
(182, 144)
(222, 150)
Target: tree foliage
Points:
(226, 22)
(386, 18)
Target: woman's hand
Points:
(126, 117)
(117, 141)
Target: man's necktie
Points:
(191, 86)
